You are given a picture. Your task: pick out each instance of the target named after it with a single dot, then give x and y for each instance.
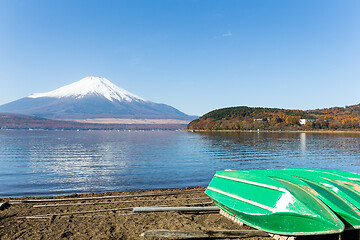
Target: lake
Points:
(46, 163)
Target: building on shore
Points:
(303, 121)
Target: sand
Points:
(112, 224)
(121, 224)
(129, 121)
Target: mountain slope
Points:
(91, 86)
(91, 97)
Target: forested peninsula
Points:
(275, 119)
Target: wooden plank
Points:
(115, 202)
(282, 237)
(74, 213)
(145, 209)
(105, 197)
(199, 204)
(232, 218)
(208, 234)
(178, 209)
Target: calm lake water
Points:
(65, 162)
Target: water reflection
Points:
(303, 142)
(50, 162)
(280, 150)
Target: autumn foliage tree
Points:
(246, 118)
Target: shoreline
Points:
(100, 193)
(103, 194)
(279, 131)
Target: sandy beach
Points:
(38, 220)
(109, 216)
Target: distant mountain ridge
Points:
(91, 97)
(25, 122)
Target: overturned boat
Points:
(341, 199)
(276, 204)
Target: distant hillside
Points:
(250, 118)
(336, 111)
(18, 121)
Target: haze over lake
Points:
(65, 162)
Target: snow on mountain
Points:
(91, 86)
(90, 98)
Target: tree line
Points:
(247, 118)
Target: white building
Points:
(303, 121)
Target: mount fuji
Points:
(90, 98)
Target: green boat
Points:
(272, 204)
(350, 180)
(327, 190)
(342, 183)
(353, 177)
(346, 174)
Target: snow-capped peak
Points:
(91, 86)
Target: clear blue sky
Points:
(194, 55)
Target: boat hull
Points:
(343, 184)
(325, 189)
(270, 204)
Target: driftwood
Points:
(204, 234)
(115, 202)
(178, 209)
(199, 204)
(104, 197)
